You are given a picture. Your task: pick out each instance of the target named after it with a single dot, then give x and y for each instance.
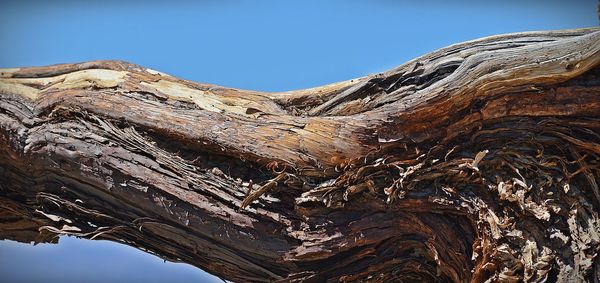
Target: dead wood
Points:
(476, 162)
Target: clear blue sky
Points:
(262, 45)
(83, 261)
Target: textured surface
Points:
(477, 161)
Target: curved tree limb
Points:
(477, 161)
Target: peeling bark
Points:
(478, 162)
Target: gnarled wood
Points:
(479, 161)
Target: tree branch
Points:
(477, 161)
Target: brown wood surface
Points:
(479, 161)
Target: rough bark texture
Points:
(477, 162)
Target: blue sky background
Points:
(76, 260)
(261, 45)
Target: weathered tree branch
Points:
(477, 161)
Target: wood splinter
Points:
(252, 196)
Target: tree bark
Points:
(479, 161)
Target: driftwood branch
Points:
(478, 161)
